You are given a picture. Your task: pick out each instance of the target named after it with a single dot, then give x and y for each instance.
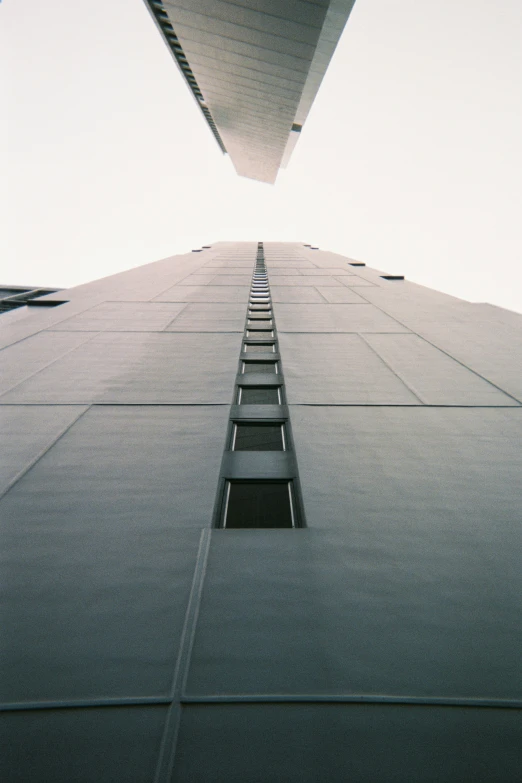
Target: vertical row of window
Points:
(259, 486)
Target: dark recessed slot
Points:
(260, 347)
(259, 329)
(249, 367)
(258, 504)
(356, 263)
(45, 303)
(392, 277)
(258, 437)
(259, 395)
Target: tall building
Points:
(260, 522)
(254, 68)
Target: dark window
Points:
(258, 437)
(259, 395)
(46, 302)
(258, 504)
(249, 367)
(392, 277)
(260, 347)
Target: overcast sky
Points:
(410, 159)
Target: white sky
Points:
(410, 159)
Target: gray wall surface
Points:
(379, 643)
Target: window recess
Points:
(258, 504)
(259, 347)
(249, 367)
(258, 437)
(259, 395)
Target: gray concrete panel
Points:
(193, 39)
(302, 295)
(230, 279)
(122, 317)
(212, 317)
(80, 746)
(435, 377)
(95, 606)
(304, 743)
(334, 318)
(140, 368)
(324, 280)
(357, 280)
(448, 475)
(335, 271)
(279, 22)
(401, 609)
(212, 293)
(236, 263)
(296, 45)
(26, 431)
(267, 98)
(289, 271)
(198, 279)
(239, 79)
(290, 263)
(233, 268)
(338, 369)
(340, 295)
(471, 333)
(30, 356)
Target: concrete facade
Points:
(254, 67)
(377, 640)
